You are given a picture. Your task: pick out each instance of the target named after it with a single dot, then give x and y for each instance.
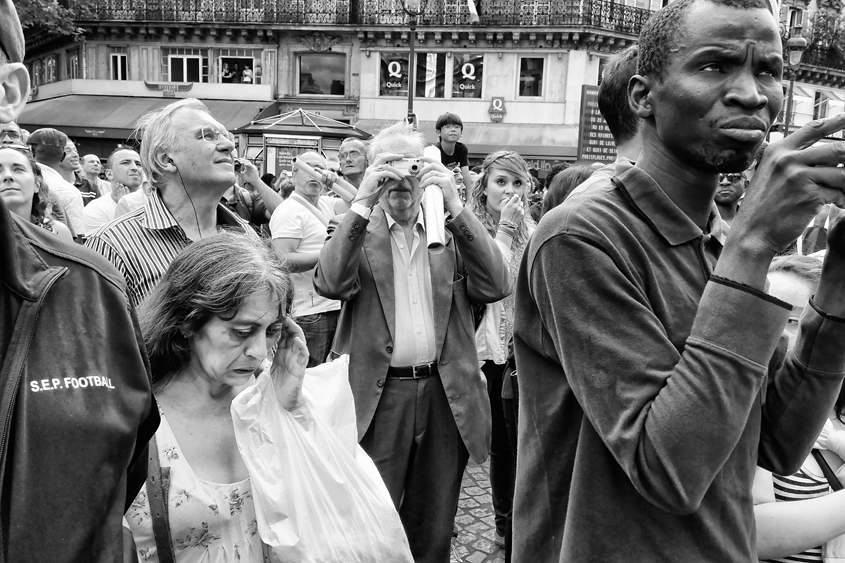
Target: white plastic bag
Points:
(315, 502)
(326, 390)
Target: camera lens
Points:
(238, 166)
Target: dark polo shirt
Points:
(643, 395)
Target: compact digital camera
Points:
(407, 166)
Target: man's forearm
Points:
(271, 199)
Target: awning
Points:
(115, 117)
(528, 139)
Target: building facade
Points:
(515, 77)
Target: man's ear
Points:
(14, 91)
(640, 96)
(164, 162)
(109, 175)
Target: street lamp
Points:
(795, 47)
(414, 9)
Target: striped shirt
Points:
(800, 486)
(142, 243)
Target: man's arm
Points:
(487, 275)
(336, 274)
(270, 198)
(301, 261)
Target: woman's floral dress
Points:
(209, 522)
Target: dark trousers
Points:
(511, 409)
(502, 460)
(421, 456)
(319, 330)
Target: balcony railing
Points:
(234, 11)
(826, 42)
(599, 14)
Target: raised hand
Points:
(513, 210)
(289, 363)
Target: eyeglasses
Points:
(732, 178)
(14, 135)
(210, 134)
(351, 154)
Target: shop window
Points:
(430, 75)
(393, 76)
(322, 74)
(531, 76)
(467, 76)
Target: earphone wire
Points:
(187, 193)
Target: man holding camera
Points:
(407, 324)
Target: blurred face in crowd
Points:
(17, 181)
(731, 188)
(721, 90)
(794, 290)
(501, 186)
(229, 351)
(71, 160)
(91, 165)
(10, 134)
(126, 169)
(353, 159)
(304, 184)
(202, 152)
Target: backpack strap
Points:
(158, 487)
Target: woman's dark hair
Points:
(212, 277)
(563, 184)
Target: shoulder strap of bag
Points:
(301, 201)
(832, 480)
(158, 486)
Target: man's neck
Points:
(312, 199)
(690, 189)
(355, 179)
(93, 178)
(195, 213)
(68, 175)
(407, 218)
(54, 165)
(629, 150)
(727, 212)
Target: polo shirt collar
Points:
(158, 217)
(664, 216)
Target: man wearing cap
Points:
(50, 149)
(76, 406)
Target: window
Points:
(73, 66)
(322, 74)
(118, 67)
(820, 105)
(50, 69)
(796, 16)
(37, 79)
(431, 75)
(531, 76)
(467, 75)
(237, 70)
(394, 74)
(185, 68)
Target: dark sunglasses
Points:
(732, 178)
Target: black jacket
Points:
(76, 406)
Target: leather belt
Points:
(412, 372)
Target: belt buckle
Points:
(424, 370)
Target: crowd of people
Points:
(650, 353)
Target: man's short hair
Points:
(48, 143)
(613, 95)
(155, 129)
(659, 36)
(110, 159)
(448, 119)
(399, 138)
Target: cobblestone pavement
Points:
(474, 521)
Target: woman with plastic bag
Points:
(213, 321)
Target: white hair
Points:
(157, 135)
(399, 138)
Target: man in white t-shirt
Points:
(299, 230)
(123, 169)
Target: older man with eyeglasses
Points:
(189, 160)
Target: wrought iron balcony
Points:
(210, 11)
(599, 14)
(826, 42)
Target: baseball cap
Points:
(11, 33)
(48, 137)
